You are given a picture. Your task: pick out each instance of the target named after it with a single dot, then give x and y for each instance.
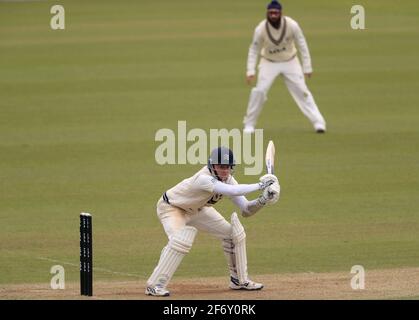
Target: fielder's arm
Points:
(302, 46)
(254, 50)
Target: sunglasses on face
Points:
(274, 13)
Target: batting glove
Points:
(270, 195)
(266, 181)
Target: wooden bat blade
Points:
(270, 157)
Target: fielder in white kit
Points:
(275, 40)
(187, 207)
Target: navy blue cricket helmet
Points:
(220, 155)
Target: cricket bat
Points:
(270, 157)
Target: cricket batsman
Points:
(188, 207)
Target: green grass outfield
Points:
(80, 108)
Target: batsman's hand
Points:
(274, 190)
(270, 195)
(267, 180)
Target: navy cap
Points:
(274, 5)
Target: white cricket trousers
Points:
(293, 76)
(207, 219)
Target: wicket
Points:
(86, 255)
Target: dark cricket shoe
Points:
(157, 291)
(247, 285)
(320, 130)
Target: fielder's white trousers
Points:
(293, 76)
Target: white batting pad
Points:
(239, 240)
(230, 255)
(172, 254)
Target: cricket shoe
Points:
(320, 127)
(247, 285)
(157, 291)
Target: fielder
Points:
(188, 207)
(276, 40)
